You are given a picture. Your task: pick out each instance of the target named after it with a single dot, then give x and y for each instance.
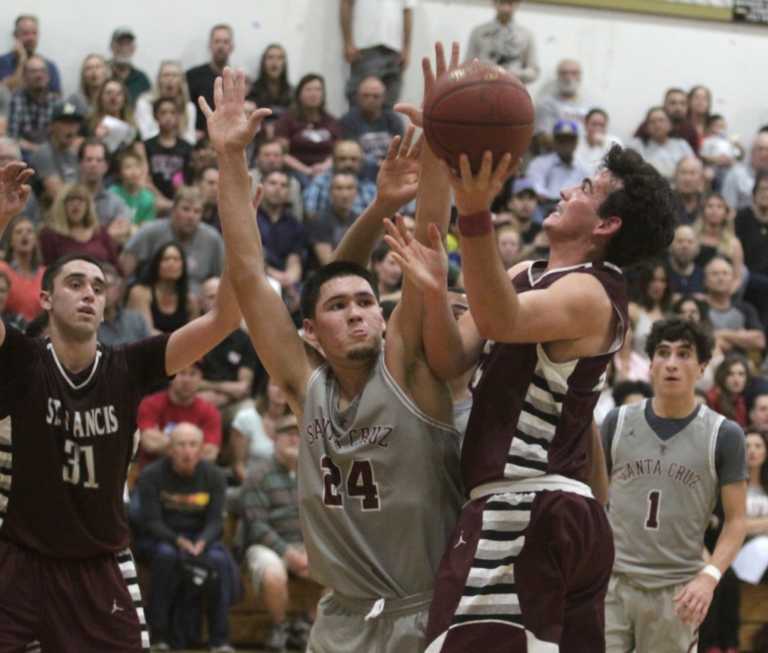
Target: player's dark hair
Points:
(623, 389)
(152, 272)
(645, 205)
(310, 292)
(53, 270)
(675, 329)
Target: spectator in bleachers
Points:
(389, 276)
(307, 131)
(160, 412)
(676, 106)
(752, 230)
(55, 161)
(564, 102)
(93, 73)
(758, 414)
(325, 231)
(9, 317)
(688, 184)
(163, 297)
(271, 88)
(112, 119)
(506, 43)
(208, 184)
(110, 209)
(130, 188)
(371, 124)
(121, 325)
(221, 43)
(685, 276)
(269, 157)
(24, 268)
(719, 150)
(551, 173)
(168, 155)
(282, 235)
(202, 245)
(658, 147)
(524, 204)
(736, 324)
(182, 503)
(509, 244)
(74, 227)
(26, 31)
(727, 395)
(123, 47)
(595, 141)
(170, 83)
(273, 542)
(650, 298)
(229, 368)
(377, 41)
(32, 106)
(716, 234)
(739, 182)
(347, 158)
(697, 310)
(699, 111)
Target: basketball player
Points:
(528, 564)
(378, 461)
(669, 458)
(67, 578)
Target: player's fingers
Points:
(391, 230)
(255, 119)
(227, 82)
(207, 111)
(502, 170)
(484, 175)
(418, 146)
(218, 91)
(412, 111)
(257, 196)
(429, 76)
(439, 58)
(25, 175)
(435, 237)
(455, 50)
(453, 179)
(404, 233)
(394, 146)
(466, 171)
(405, 145)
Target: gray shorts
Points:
(643, 620)
(345, 625)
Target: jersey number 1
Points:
(360, 484)
(652, 519)
(71, 470)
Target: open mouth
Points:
(86, 310)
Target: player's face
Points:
(575, 216)
(458, 303)
(186, 450)
(348, 324)
(76, 303)
(756, 451)
(675, 368)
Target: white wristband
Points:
(713, 571)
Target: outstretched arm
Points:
(272, 332)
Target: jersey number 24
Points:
(361, 484)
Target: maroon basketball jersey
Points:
(530, 415)
(62, 472)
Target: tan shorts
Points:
(261, 559)
(644, 620)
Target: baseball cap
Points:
(523, 185)
(66, 111)
(123, 33)
(565, 128)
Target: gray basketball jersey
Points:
(662, 494)
(379, 488)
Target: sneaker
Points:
(298, 633)
(160, 646)
(277, 638)
(222, 648)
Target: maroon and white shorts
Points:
(524, 572)
(70, 606)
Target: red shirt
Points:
(24, 297)
(158, 411)
(53, 245)
(309, 142)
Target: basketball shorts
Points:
(70, 606)
(345, 625)
(524, 572)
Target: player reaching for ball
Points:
(67, 578)
(528, 565)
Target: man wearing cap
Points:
(55, 162)
(524, 205)
(123, 46)
(25, 33)
(550, 173)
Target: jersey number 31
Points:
(361, 484)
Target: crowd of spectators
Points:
(124, 172)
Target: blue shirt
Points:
(8, 67)
(317, 196)
(280, 239)
(549, 175)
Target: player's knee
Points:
(275, 575)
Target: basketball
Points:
(475, 108)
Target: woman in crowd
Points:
(74, 227)
(699, 109)
(112, 119)
(717, 235)
(697, 310)
(170, 83)
(163, 297)
(649, 301)
(24, 267)
(307, 131)
(94, 71)
(389, 276)
(727, 396)
(272, 88)
(658, 148)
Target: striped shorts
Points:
(70, 606)
(524, 572)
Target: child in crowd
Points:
(131, 189)
(719, 150)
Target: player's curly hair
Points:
(645, 205)
(673, 329)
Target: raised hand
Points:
(398, 178)
(475, 193)
(413, 112)
(229, 127)
(14, 190)
(425, 267)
